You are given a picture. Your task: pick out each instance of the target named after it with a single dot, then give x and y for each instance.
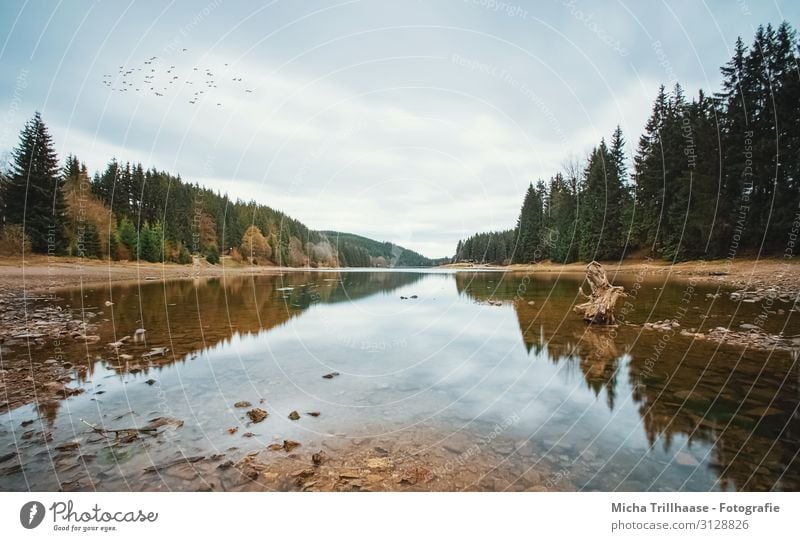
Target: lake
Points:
(488, 378)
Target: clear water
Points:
(597, 409)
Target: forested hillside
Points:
(715, 176)
(127, 212)
(358, 251)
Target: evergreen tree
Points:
(113, 245)
(32, 193)
(562, 217)
(213, 256)
(90, 246)
(103, 185)
(156, 243)
(529, 246)
(602, 232)
(129, 238)
(649, 180)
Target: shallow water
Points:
(525, 382)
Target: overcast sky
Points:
(417, 122)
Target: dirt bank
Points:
(746, 274)
(40, 274)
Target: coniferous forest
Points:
(713, 176)
(127, 212)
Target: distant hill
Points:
(358, 251)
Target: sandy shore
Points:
(39, 274)
(749, 274)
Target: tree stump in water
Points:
(599, 307)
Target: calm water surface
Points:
(608, 410)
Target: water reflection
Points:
(450, 354)
(742, 404)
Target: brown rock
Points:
(349, 473)
(294, 416)
(242, 404)
(158, 422)
(288, 445)
(374, 478)
(379, 464)
(257, 415)
(416, 474)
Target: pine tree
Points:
(528, 247)
(593, 205)
(113, 246)
(32, 193)
(619, 214)
(602, 233)
(648, 175)
(562, 214)
(129, 238)
(785, 153)
(156, 243)
(103, 185)
(90, 246)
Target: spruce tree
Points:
(593, 205)
(602, 233)
(529, 230)
(562, 209)
(648, 175)
(129, 238)
(32, 193)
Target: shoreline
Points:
(39, 273)
(43, 274)
(782, 275)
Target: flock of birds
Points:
(157, 78)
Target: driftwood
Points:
(599, 306)
(155, 352)
(122, 435)
(119, 343)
